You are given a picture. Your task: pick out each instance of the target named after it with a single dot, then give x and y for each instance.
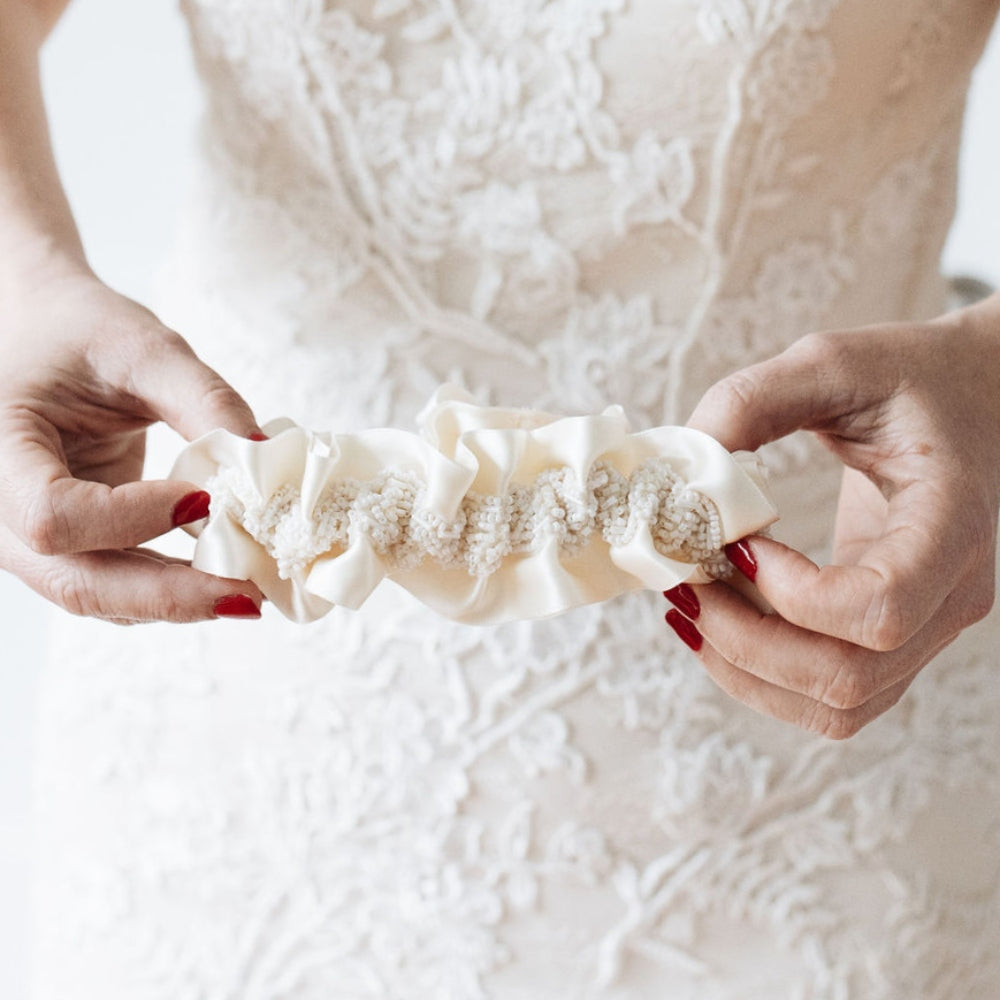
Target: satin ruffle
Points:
(463, 451)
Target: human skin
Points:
(912, 411)
(83, 372)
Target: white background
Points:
(122, 101)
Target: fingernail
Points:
(193, 507)
(688, 634)
(739, 554)
(258, 437)
(685, 599)
(236, 606)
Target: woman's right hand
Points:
(83, 372)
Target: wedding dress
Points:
(562, 204)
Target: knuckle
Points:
(843, 726)
(170, 608)
(978, 605)
(45, 527)
(220, 397)
(851, 686)
(742, 658)
(826, 351)
(156, 342)
(148, 346)
(172, 600)
(734, 394)
(983, 544)
(887, 625)
(67, 589)
(832, 723)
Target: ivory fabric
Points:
(488, 515)
(559, 205)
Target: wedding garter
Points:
(487, 515)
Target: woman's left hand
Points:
(913, 412)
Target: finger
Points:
(165, 559)
(140, 587)
(790, 706)
(880, 602)
(53, 513)
(861, 513)
(808, 386)
(837, 673)
(183, 391)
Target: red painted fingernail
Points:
(685, 599)
(258, 437)
(236, 606)
(688, 634)
(740, 555)
(193, 507)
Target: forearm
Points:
(36, 225)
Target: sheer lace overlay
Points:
(558, 204)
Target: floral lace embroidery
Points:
(404, 192)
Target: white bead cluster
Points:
(390, 511)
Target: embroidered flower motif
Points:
(542, 745)
(479, 99)
(549, 132)
(711, 788)
(573, 25)
(888, 219)
(804, 15)
(654, 182)
(525, 277)
(604, 341)
(583, 850)
(802, 280)
(793, 77)
(352, 55)
(518, 873)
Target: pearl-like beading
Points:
(390, 511)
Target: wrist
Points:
(35, 261)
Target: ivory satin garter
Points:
(487, 515)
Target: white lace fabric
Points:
(488, 515)
(559, 205)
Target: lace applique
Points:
(595, 356)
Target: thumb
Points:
(188, 395)
(809, 386)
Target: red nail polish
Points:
(684, 599)
(236, 606)
(258, 437)
(688, 634)
(193, 507)
(739, 554)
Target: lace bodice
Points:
(562, 204)
(550, 196)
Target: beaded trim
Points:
(390, 512)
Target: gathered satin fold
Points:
(487, 515)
